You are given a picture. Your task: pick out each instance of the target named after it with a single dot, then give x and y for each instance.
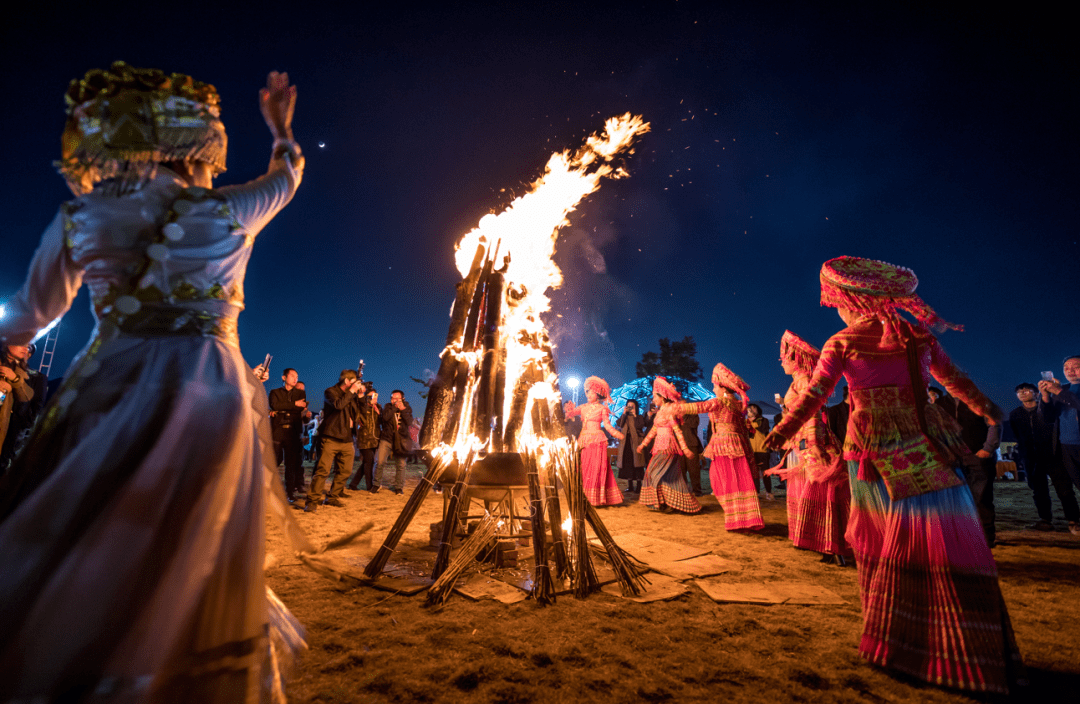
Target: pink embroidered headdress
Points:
(598, 386)
(877, 288)
(725, 377)
(662, 387)
(797, 350)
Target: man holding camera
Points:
(14, 386)
(340, 410)
(394, 439)
(288, 404)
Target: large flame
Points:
(527, 231)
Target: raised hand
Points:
(277, 101)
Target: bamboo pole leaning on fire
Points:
(543, 588)
(412, 506)
(554, 515)
(481, 538)
(450, 517)
(583, 573)
(631, 578)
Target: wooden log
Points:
(468, 344)
(441, 395)
(497, 443)
(485, 393)
(519, 406)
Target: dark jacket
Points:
(838, 417)
(21, 391)
(975, 431)
(394, 427)
(288, 420)
(640, 424)
(1059, 406)
(1034, 433)
(689, 428)
(340, 410)
(367, 425)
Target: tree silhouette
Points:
(675, 359)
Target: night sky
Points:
(781, 137)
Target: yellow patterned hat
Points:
(124, 121)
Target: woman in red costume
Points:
(932, 607)
(665, 488)
(730, 472)
(821, 512)
(596, 474)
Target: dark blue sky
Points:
(782, 136)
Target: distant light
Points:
(2, 311)
(322, 145)
(573, 382)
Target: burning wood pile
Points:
(496, 391)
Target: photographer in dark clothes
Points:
(24, 413)
(367, 441)
(1035, 439)
(340, 410)
(394, 439)
(287, 406)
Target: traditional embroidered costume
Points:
(664, 482)
(132, 527)
(730, 472)
(932, 606)
(818, 517)
(596, 473)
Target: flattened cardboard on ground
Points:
(650, 550)
(701, 566)
(767, 592)
(477, 586)
(406, 578)
(662, 588)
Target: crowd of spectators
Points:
(353, 428)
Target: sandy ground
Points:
(368, 645)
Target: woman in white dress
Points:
(132, 527)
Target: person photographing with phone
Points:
(1061, 405)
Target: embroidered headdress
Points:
(663, 388)
(797, 350)
(877, 288)
(598, 386)
(725, 377)
(124, 121)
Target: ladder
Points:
(49, 349)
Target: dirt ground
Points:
(368, 645)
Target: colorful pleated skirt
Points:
(665, 485)
(597, 477)
(823, 517)
(932, 607)
(794, 486)
(733, 485)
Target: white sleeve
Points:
(49, 289)
(255, 203)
